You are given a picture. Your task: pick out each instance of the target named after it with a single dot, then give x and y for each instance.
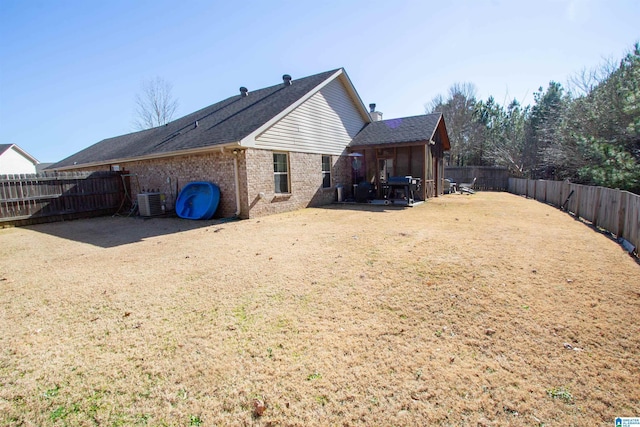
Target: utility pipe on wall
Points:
(237, 181)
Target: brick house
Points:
(271, 150)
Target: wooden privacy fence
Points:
(29, 199)
(488, 178)
(613, 210)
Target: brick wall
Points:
(255, 170)
(170, 175)
(305, 177)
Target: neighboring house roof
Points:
(226, 122)
(403, 130)
(40, 167)
(6, 147)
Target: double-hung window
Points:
(326, 171)
(281, 172)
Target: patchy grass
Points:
(467, 310)
(560, 393)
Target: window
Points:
(326, 171)
(281, 172)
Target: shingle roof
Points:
(4, 147)
(227, 121)
(406, 129)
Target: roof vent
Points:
(286, 79)
(195, 124)
(376, 116)
(243, 91)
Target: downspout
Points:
(237, 182)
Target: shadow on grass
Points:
(109, 232)
(633, 252)
(367, 207)
(114, 231)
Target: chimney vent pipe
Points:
(243, 91)
(286, 79)
(376, 116)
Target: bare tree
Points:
(155, 105)
(586, 80)
(458, 110)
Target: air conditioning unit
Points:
(151, 204)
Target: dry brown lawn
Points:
(483, 310)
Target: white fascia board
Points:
(201, 150)
(435, 129)
(250, 140)
(24, 154)
(356, 97)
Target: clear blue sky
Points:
(69, 70)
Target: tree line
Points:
(588, 133)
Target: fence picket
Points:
(30, 198)
(487, 178)
(613, 210)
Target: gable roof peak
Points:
(23, 153)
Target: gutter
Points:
(148, 157)
(236, 181)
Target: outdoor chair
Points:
(450, 186)
(467, 187)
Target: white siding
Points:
(325, 124)
(12, 162)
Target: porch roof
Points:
(416, 129)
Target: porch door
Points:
(385, 170)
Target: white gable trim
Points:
(435, 129)
(23, 153)
(325, 123)
(250, 140)
(351, 89)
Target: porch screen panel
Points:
(403, 167)
(372, 165)
(417, 161)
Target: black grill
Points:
(401, 189)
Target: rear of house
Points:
(271, 150)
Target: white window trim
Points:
(330, 171)
(288, 173)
